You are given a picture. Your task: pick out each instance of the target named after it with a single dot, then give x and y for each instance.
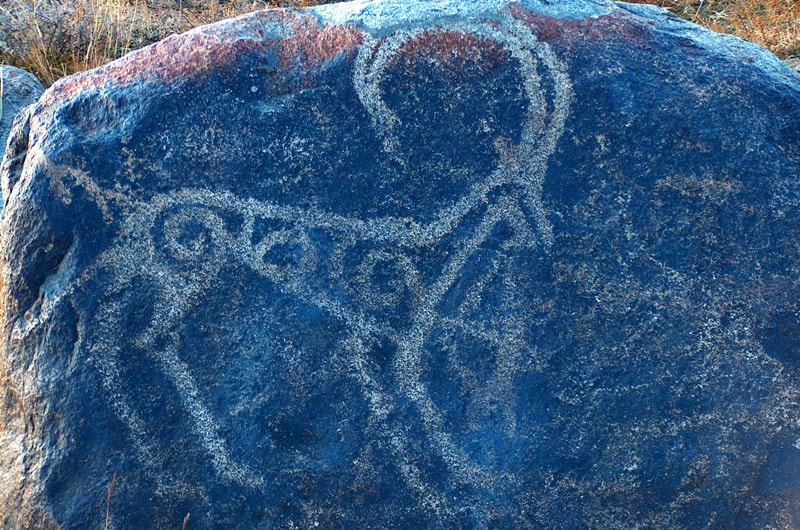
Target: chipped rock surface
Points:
(19, 89)
(445, 264)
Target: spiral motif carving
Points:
(193, 234)
(367, 275)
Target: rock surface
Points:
(19, 89)
(447, 264)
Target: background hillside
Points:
(55, 38)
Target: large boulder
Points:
(20, 88)
(445, 264)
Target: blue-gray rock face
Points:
(446, 264)
(18, 89)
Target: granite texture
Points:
(447, 264)
(18, 89)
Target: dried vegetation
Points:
(55, 38)
(774, 24)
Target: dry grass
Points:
(54, 38)
(774, 24)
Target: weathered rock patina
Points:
(449, 264)
(18, 89)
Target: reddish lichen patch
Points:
(311, 45)
(163, 63)
(574, 31)
(453, 51)
(199, 52)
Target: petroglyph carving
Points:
(175, 246)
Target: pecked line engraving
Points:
(177, 243)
